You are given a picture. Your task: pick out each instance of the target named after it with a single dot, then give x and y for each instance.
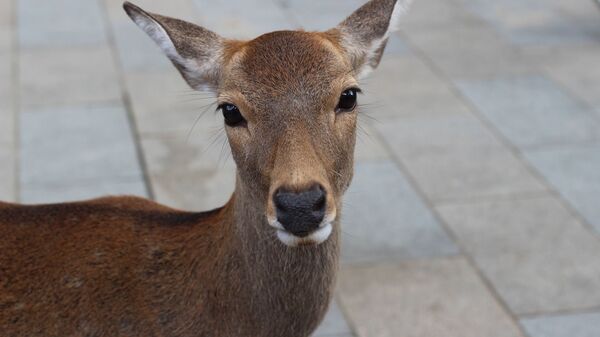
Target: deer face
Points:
(289, 102)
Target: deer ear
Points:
(195, 51)
(364, 34)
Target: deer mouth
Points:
(304, 238)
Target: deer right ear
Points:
(364, 34)
(195, 51)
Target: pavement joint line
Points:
(285, 7)
(413, 182)
(100, 104)
(349, 322)
(502, 139)
(518, 196)
(559, 313)
(16, 100)
(513, 149)
(462, 251)
(126, 101)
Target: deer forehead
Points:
(287, 67)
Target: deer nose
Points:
(300, 212)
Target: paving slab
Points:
(575, 325)
(334, 323)
(6, 98)
(6, 13)
(199, 190)
(575, 173)
(535, 253)
(42, 193)
(535, 22)
(456, 157)
(319, 15)
(7, 172)
(68, 76)
(422, 298)
(384, 218)
(580, 78)
(136, 50)
(406, 86)
(181, 9)
(515, 104)
(469, 50)
(60, 23)
(242, 19)
(206, 149)
(163, 103)
(428, 15)
(368, 146)
(74, 144)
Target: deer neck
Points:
(292, 285)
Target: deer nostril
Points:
(300, 212)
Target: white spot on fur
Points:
(317, 237)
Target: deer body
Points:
(153, 271)
(264, 264)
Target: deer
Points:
(264, 264)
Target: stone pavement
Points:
(475, 206)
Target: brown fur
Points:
(125, 266)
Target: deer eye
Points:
(347, 100)
(231, 113)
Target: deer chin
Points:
(317, 237)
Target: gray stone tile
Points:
(68, 76)
(60, 23)
(534, 252)
(195, 190)
(6, 13)
(7, 172)
(385, 219)
(456, 157)
(575, 173)
(75, 144)
(136, 50)
(427, 15)
(581, 78)
(6, 98)
(162, 102)
(242, 19)
(576, 325)
(181, 9)
(320, 15)
(334, 323)
(205, 149)
(7, 125)
(441, 297)
(406, 86)
(535, 22)
(515, 104)
(469, 50)
(368, 146)
(74, 191)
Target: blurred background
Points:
(475, 208)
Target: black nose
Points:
(300, 212)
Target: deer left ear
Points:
(194, 50)
(364, 34)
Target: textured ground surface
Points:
(475, 206)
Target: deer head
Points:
(289, 102)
